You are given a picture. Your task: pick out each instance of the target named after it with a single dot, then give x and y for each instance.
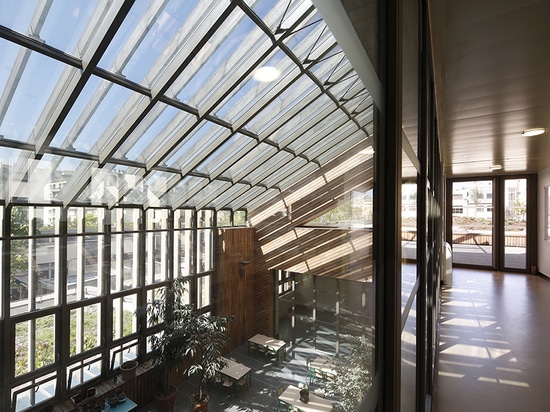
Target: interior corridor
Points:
(494, 343)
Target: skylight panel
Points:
(247, 97)
(197, 146)
(293, 98)
(159, 127)
(27, 80)
(99, 104)
(252, 160)
(228, 153)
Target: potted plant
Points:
(187, 341)
(207, 337)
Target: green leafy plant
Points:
(187, 340)
(353, 377)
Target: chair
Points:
(280, 403)
(310, 374)
(227, 383)
(272, 354)
(242, 385)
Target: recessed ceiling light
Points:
(533, 132)
(266, 74)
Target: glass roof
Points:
(163, 103)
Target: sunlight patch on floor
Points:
(469, 322)
(504, 381)
(474, 351)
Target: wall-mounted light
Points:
(242, 269)
(533, 132)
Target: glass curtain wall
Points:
(98, 262)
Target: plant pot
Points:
(128, 369)
(200, 405)
(165, 402)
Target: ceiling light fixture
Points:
(495, 167)
(266, 74)
(533, 132)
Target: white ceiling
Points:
(492, 72)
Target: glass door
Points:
(515, 223)
(472, 222)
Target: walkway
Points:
(494, 351)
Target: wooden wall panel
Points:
(235, 287)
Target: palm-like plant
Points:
(186, 339)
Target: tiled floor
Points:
(494, 352)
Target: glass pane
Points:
(183, 253)
(84, 260)
(85, 329)
(205, 250)
(472, 238)
(34, 344)
(124, 261)
(515, 223)
(239, 218)
(29, 394)
(184, 218)
(156, 254)
(31, 93)
(84, 371)
(124, 320)
(223, 218)
(204, 291)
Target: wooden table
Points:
(236, 371)
(291, 396)
(279, 346)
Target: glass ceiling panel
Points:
(211, 191)
(311, 40)
(207, 137)
(99, 104)
(152, 188)
(220, 65)
(157, 36)
(225, 198)
(327, 151)
(320, 126)
(160, 126)
(195, 61)
(292, 129)
(228, 153)
(269, 166)
(24, 89)
(332, 69)
(293, 97)
(242, 201)
(188, 184)
(43, 20)
(253, 159)
(251, 94)
(274, 179)
(298, 175)
(282, 14)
